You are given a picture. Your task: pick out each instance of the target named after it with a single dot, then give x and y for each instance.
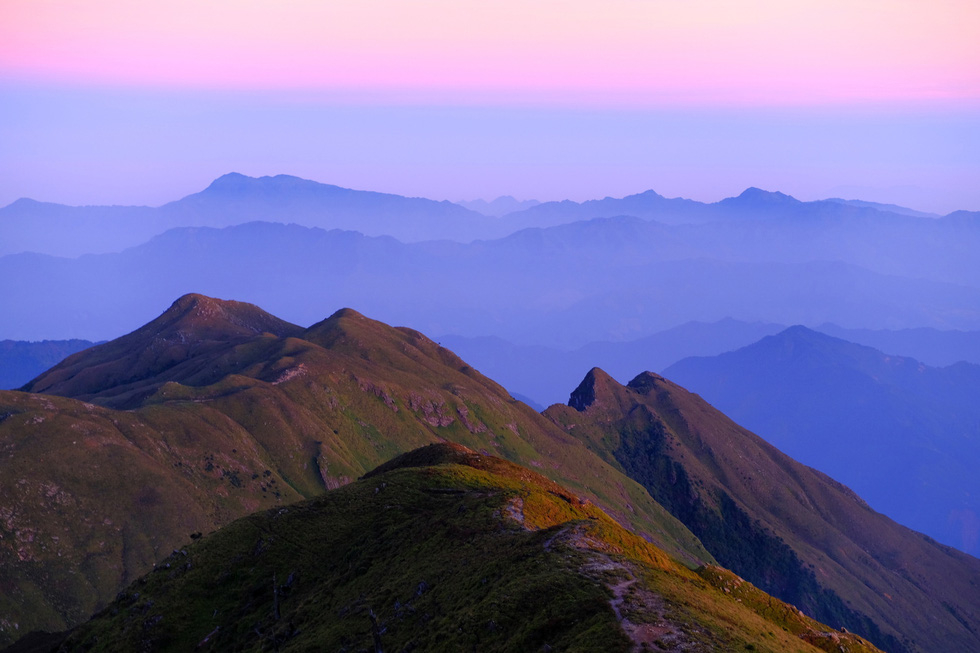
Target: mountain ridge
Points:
(761, 514)
(230, 425)
(441, 549)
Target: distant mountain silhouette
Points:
(31, 226)
(545, 373)
(902, 434)
(234, 199)
(891, 208)
(498, 207)
(934, 347)
(21, 361)
(613, 279)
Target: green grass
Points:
(432, 554)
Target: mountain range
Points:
(566, 286)
(123, 452)
(558, 274)
(31, 226)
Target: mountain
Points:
(180, 345)
(788, 529)
(21, 361)
(498, 207)
(236, 199)
(902, 434)
(30, 226)
(891, 208)
(756, 225)
(607, 280)
(934, 347)
(442, 549)
(546, 373)
(217, 409)
(648, 205)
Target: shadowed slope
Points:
(783, 526)
(443, 549)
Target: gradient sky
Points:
(127, 101)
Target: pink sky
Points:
(634, 52)
(133, 102)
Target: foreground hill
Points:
(217, 409)
(785, 527)
(900, 433)
(443, 549)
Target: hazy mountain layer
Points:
(755, 226)
(789, 529)
(604, 280)
(931, 346)
(545, 374)
(498, 207)
(217, 409)
(21, 361)
(30, 226)
(904, 436)
(443, 549)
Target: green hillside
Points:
(216, 410)
(443, 549)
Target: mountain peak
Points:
(753, 192)
(646, 382)
(440, 453)
(756, 196)
(235, 184)
(596, 388)
(230, 181)
(202, 316)
(124, 370)
(346, 314)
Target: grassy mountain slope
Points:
(443, 549)
(787, 528)
(217, 409)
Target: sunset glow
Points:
(131, 101)
(634, 51)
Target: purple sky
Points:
(119, 102)
(84, 146)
